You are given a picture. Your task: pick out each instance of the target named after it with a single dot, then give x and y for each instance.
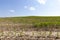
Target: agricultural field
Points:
(36, 21)
(30, 28)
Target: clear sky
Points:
(29, 8)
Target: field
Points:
(37, 21)
(30, 28)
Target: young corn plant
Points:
(50, 33)
(57, 35)
(32, 33)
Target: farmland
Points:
(36, 21)
(35, 27)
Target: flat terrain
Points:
(30, 28)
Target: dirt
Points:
(27, 32)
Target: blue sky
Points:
(29, 8)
